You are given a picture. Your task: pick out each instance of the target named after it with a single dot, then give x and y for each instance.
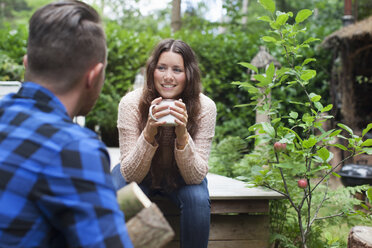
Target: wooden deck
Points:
(239, 215)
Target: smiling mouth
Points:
(168, 86)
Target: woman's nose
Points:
(168, 74)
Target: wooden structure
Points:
(351, 84)
(239, 215)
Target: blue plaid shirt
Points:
(55, 183)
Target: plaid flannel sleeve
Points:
(80, 199)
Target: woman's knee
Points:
(194, 195)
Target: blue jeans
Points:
(194, 204)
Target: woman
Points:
(170, 160)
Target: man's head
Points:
(66, 39)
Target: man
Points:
(55, 183)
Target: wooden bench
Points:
(239, 215)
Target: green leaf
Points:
(294, 115)
(364, 206)
(308, 74)
(268, 39)
(327, 108)
(276, 120)
(368, 142)
(309, 143)
(268, 5)
(252, 137)
(260, 78)
(368, 150)
(367, 129)
(242, 105)
(323, 153)
(335, 133)
(348, 129)
(285, 165)
(302, 15)
(270, 71)
(336, 175)
(250, 66)
(291, 131)
(264, 18)
(318, 105)
(268, 129)
(369, 194)
(325, 134)
(314, 97)
(308, 61)
(312, 39)
(339, 146)
(282, 19)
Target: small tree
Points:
(298, 165)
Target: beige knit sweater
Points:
(136, 153)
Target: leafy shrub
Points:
(9, 69)
(13, 42)
(127, 53)
(298, 156)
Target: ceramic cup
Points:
(169, 119)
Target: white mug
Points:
(169, 119)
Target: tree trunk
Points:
(360, 237)
(245, 12)
(176, 15)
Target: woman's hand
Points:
(180, 112)
(151, 128)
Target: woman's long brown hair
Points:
(190, 95)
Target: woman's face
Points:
(169, 75)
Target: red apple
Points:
(278, 146)
(302, 183)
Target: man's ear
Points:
(25, 61)
(94, 74)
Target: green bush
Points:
(127, 53)
(13, 44)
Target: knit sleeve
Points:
(192, 161)
(135, 152)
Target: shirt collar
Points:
(43, 96)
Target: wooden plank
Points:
(239, 206)
(218, 206)
(231, 227)
(241, 226)
(238, 244)
(228, 244)
(222, 188)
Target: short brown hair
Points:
(65, 39)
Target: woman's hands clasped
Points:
(179, 111)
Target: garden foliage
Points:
(306, 155)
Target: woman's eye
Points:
(177, 70)
(160, 68)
